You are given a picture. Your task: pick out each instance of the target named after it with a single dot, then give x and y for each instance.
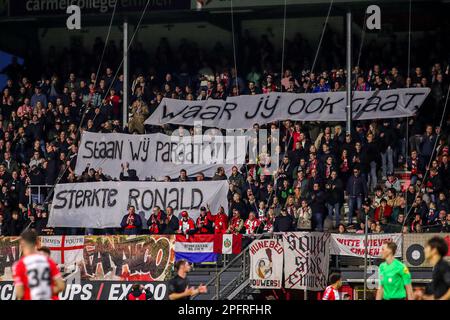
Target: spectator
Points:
(304, 216)
(186, 224)
(334, 197)
(171, 222)
(283, 222)
(356, 192)
(384, 210)
(318, 209)
(131, 222)
(392, 182)
(156, 221)
(220, 220)
(203, 224)
(236, 225)
(139, 112)
(252, 224)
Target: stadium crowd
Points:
(396, 171)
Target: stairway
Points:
(203, 275)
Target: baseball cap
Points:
(184, 214)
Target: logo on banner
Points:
(264, 266)
(227, 243)
(266, 260)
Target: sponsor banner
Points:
(228, 243)
(414, 248)
(244, 111)
(355, 245)
(226, 4)
(103, 204)
(157, 155)
(306, 260)
(94, 290)
(113, 258)
(195, 248)
(19, 8)
(266, 262)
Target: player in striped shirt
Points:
(36, 277)
(332, 291)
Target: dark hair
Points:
(136, 287)
(45, 250)
(30, 237)
(392, 246)
(439, 244)
(335, 277)
(180, 263)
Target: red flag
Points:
(228, 243)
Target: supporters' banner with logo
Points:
(113, 258)
(244, 111)
(103, 204)
(157, 155)
(306, 260)
(414, 248)
(355, 245)
(266, 262)
(94, 290)
(195, 248)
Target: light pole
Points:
(125, 74)
(349, 72)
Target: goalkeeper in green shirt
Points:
(395, 279)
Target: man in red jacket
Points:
(220, 221)
(203, 224)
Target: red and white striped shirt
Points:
(37, 274)
(331, 294)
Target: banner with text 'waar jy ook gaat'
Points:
(244, 111)
(103, 204)
(158, 155)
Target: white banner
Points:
(103, 204)
(266, 261)
(354, 244)
(244, 111)
(65, 250)
(158, 155)
(306, 260)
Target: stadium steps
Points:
(201, 275)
